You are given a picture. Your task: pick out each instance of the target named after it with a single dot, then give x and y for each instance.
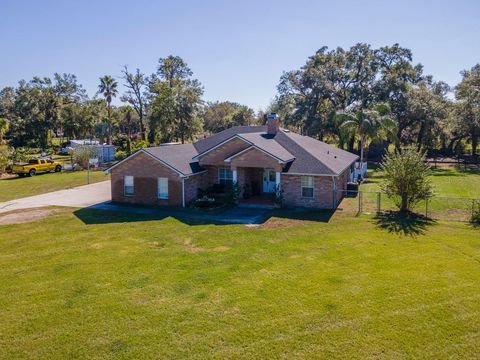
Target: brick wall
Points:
(322, 192)
(195, 182)
(217, 156)
(342, 181)
(257, 159)
(145, 171)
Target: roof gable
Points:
(211, 141)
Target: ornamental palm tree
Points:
(369, 124)
(108, 88)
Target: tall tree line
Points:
(351, 97)
(363, 94)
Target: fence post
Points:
(359, 202)
(426, 207)
(379, 205)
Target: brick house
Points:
(260, 159)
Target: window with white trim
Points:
(307, 186)
(225, 176)
(128, 187)
(162, 188)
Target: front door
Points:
(268, 181)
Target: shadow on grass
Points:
(113, 213)
(410, 224)
(98, 216)
(110, 213)
(304, 214)
(460, 171)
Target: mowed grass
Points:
(132, 287)
(453, 187)
(17, 187)
(447, 181)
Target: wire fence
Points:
(438, 208)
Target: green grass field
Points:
(454, 190)
(14, 188)
(448, 181)
(99, 285)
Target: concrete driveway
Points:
(82, 196)
(98, 196)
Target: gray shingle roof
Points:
(209, 142)
(178, 156)
(268, 144)
(314, 156)
(303, 154)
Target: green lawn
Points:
(112, 286)
(454, 190)
(17, 187)
(448, 181)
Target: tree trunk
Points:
(362, 141)
(109, 114)
(420, 136)
(151, 136)
(474, 136)
(129, 140)
(404, 204)
(351, 143)
(142, 129)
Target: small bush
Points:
(82, 154)
(232, 193)
(205, 202)
(120, 155)
(139, 144)
(201, 193)
(475, 220)
(5, 154)
(21, 154)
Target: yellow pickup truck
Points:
(35, 166)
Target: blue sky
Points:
(237, 49)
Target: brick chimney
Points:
(272, 123)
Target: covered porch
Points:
(257, 186)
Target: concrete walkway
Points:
(81, 196)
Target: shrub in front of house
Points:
(206, 202)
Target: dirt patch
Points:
(191, 248)
(279, 223)
(5, 176)
(26, 216)
(221, 248)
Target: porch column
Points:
(234, 175)
(277, 179)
